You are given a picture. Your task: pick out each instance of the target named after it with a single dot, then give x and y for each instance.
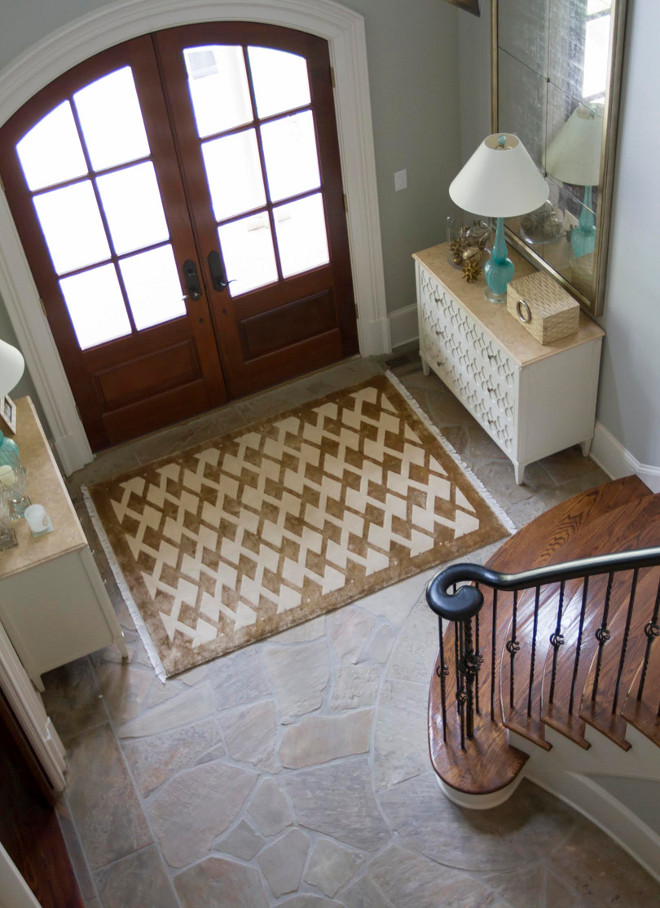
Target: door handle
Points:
(191, 280)
(218, 277)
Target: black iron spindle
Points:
(652, 630)
(578, 645)
(512, 647)
(556, 640)
(442, 671)
(537, 599)
(476, 648)
(624, 643)
(493, 656)
(470, 669)
(602, 635)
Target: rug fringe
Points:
(476, 483)
(138, 620)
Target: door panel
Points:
(263, 177)
(114, 225)
(179, 199)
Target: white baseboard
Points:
(617, 461)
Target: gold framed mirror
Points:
(556, 83)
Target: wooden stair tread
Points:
(487, 764)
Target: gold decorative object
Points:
(471, 270)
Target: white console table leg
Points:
(586, 446)
(519, 472)
(425, 365)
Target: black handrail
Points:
(466, 601)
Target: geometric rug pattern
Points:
(274, 524)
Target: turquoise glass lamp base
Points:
(583, 237)
(498, 270)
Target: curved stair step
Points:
(488, 762)
(643, 714)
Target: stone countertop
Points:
(494, 317)
(44, 486)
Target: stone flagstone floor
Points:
(295, 772)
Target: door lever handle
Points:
(191, 280)
(218, 278)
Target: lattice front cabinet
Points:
(532, 400)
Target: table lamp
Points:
(12, 365)
(499, 181)
(573, 156)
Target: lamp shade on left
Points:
(12, 366)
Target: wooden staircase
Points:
(554, 658)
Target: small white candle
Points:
(7, 477)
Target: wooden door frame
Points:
(90, 34)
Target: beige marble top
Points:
(494, 317)
(44, 486)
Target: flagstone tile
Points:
(269, 808)
(219, 881)
(160, 692)
(156, 759)
(189, 706)
(310, 901)
(530, 825)
(124, 688)
(380, 646)
(72, 699)
(302, 633)
(239, 678)
(355, 686)
(251, 735)
(299, 676)
(601, 872)
(331, 866)
(191, 810)
(241, 842)
(411, 880)
(531, 887)
(137, 881)
(320, 739)
(349, 628)
(282, 862)
(365, 894)
(337, 800)
(417, 647)
(394, 603)
(103, 802)
(401, 748)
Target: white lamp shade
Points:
(12, 365)
(500, 180)
(573, 156)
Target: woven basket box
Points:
(541, 306)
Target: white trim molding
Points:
(617, 461)
(342, 28)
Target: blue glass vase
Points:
(9, 452)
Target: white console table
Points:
(53, 604)
(532, 399)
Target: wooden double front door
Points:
(179, 199)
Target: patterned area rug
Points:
(274, 524)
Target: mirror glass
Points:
(556, 79)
